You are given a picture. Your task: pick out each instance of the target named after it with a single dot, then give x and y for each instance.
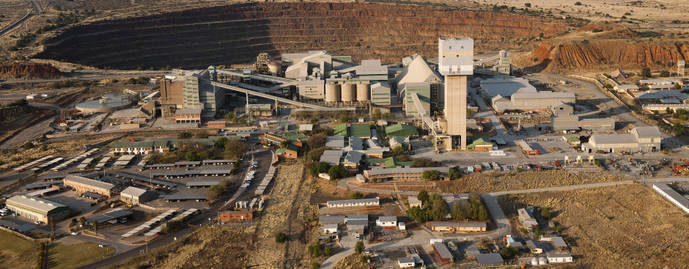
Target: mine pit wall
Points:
(237, 33)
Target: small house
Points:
(330, 228)
(387, 222)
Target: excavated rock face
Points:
(237, 33)
(597, 54)
(28, 70)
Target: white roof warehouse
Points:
(36, 209)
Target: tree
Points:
(337, 172)
(454, 173)
(398, 150)
(191, 156)
(646, 72)
(315, 250)
(527, 4)
(315, 154)
(280, 237)
(423, 196)
(317, 140)
(315, 265)
(357, 195)
(416, 214)
(509, 252)
(545, 212)
(431, 175)
(421, 162)
(436, 209)
(214, 192)
(459, 211)
(184, 135)
(577, 3)
(230, 116)
(234, 149)
(328, 251)
(359, 247)
(220, 142)
(664, 73)
(202, 134)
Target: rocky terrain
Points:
(593, 48)
(28, 70)
(237, 33)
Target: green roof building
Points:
(401, 130)
(341, 130)
(361, 130)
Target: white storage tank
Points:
(332, 93)
(542, 261)
(349, 92)
(363, 90)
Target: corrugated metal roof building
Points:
(36, 209)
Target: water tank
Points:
(363, 90)
(349, 92)
(534, 261)
(332, 93)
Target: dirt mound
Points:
(237, 33)
(28, 70)
(597, 54)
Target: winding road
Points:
(37, 9)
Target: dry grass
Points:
(499, 181)
(352, 262)
(288, 210)
(628, 226)
(212, 247)
(67, 148)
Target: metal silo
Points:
(349, 92)
(363, 90)
(332, 93)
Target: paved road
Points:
(28, 133)
(88, 76)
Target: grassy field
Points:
(75, 255)
(502, 181)
(628, 226)
(17, 252)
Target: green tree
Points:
(184, 135)
(431, 175)
(509, 252)
(646, 72)
(664, 73)
(280, 237)
(416, 214)
(315, 154)
(220, 142)
(337, 171)
(230, 116)
(545, 213)
(191, 156)
(214, 192)
(315, 250)
(359, 247)
(328, 251)
(454, 173)
(315, 265)
(377, 114)
(438, 208)
(459, 211)
(423, 196)
(357, 195)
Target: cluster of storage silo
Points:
(348, 92)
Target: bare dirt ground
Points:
(615, 227)
(499, 181)
(12, 10)
(287, 211)
(212, 247)
(652, 12)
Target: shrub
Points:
(280, 237)
(359, 247)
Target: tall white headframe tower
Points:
(456, 63)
